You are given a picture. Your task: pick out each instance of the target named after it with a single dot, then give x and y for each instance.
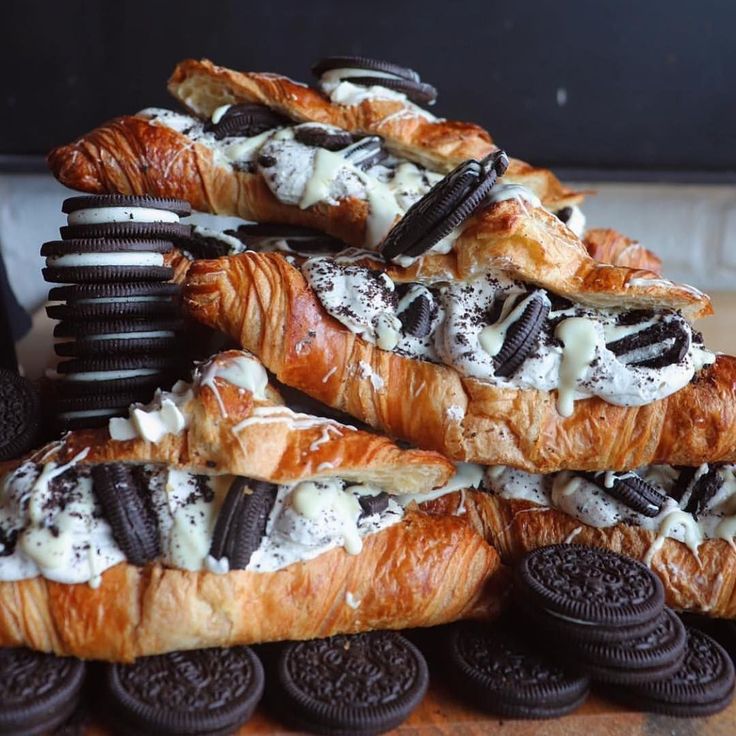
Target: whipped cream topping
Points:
(304, 176)
(571, 354)
(233, 244)
(590, 504)
(101, 215)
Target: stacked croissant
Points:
(401, 273)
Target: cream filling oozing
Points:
(569, 356)
(99, 258)
(588, 503)
(97, 215)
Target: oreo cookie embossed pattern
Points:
(121, 326)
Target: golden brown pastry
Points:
(265, 303)
(420, 570)
(705, 583)
(438, 144)
(610, 246)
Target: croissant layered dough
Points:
(265, 303)
(422, 571)
(608, 246)
(705, 583)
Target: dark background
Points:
(625, 88)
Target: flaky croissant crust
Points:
(262, 301)
(703, 583)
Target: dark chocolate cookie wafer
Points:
(415, 310)
(173, 231)
(241, 523)
(521, 337)
(588, 585)
(498, 671)
(267, 237)
(84, 302)
(703, 685)
(245, 120)
(664, 343)
(631, 490)
(127, 508)
(376, 72)
(367, 152)
(90, 260)
(38, 692)
(95, 410)
(358, 685)
(323, 136)
(206, 692)
(20, 414)
(179, 207)
(447, 205)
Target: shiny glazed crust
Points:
(265, 303)
(439, 145)
(398, 581)
(705, 583)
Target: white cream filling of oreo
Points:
(99, 258)
(102, 215)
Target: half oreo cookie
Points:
(38, 692)
(367, 72)
(497, 671)
(362, 684)
(241, 523)
(447, 205)
(245, 120)
(90, 260)
(703, 490)
(205, 692)
(323, 136)
(127, 508)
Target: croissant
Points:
(265, 303)
(438, 144)
(421, 571)
(609, 246)
(705, 583)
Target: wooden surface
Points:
(441, 714)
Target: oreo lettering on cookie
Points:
(245, 120)
(367, 72)
(20, 414)
(361, 684)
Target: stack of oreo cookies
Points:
(604, 614)
(120, 323)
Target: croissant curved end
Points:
(203, 291)
(75, 169)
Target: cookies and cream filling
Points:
(712, 517)
(104, 215)
(625, 357)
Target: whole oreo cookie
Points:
(179, 207)
(323, 136)
(385, 74)
(95, 410)
(497, 671)
(521, 337)
(173, 231)
(703, 685)
(90, 260)
(631, 490)
(590, 586)
(127, 508)
(85, 302)
(38, 692)
(20, 414)
(246, 120)
(241, 523)
(206, 692)
(447, 205)
(362, 684)
(267, 237)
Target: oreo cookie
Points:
(702, 686)
(120, 338)
(366, 153)
(497, 671)
(657, 655)
(206, 243)
(703, 490)
(367, 72)
(666, 342)
(127, 508)
(173, 231)
(20, 414)
(521, 337)
(266, 237)
(323, 136)
(362, 684)
(178, 207)
(95, 410)
(447, 205)
(245, 120)
(38, 692)
(90, 260)
(241, 523)
(631, 490)
(205, 692)
(371, 505)
(589, 586)
(415, 310)
(85, 302)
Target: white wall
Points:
(693, 228)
